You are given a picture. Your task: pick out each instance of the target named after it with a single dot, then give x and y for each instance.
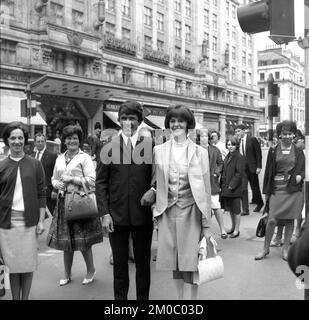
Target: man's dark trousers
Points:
(119, 240)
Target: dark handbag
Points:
(2, 277)
(261, 227)
(80, 204)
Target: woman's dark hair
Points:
(234, 141)
(216, 132)
(286, 125)
(69, 131)
(181, 112)
(13, 126)
(131, 107)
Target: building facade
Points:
(289, 73)
(80, 59)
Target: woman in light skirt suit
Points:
(183, 199)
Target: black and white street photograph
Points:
(154, 152)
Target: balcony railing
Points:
(120, 45)
(184, 64)
(156, 56)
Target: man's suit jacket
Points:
(233, 173)
(48, 161)
(120, 185)
(216, 167)
(198, 173)
(299, 252)
(253, 155)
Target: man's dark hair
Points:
(131, 107)
(241, 127)
(39, 134)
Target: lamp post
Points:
(101, 15)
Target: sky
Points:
(262, 39)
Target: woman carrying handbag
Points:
(72, 168)
(283, 181)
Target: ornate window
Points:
(126, 75)
(110, 5)
(8, 51)
(110, 72)
(78, 19)
(147, 16)
(188, 8)
(126, 34)
(126, 8)
(148, 80)
(178, 5)
(57, 13)
(160, 21)
(188, 33)
(177, 29)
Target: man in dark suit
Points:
(251, 150)
(48, 160)
(124, 197)
(298, 258)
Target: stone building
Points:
(289, 73)
(78, 60)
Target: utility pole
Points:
(304, 44)
(28, 92)
(272, 107)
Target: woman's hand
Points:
(40, 228)
(60, 185)
(298, 179)
(206, 233)
(66, 178)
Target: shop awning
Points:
(155, 121)
(73, 87)
(10, 108)
(112, 116)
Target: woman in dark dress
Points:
(232, 183)
(283, 181)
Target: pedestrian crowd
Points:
(140, 181)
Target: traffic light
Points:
(24, 110)
(273, 108)
(277, 16)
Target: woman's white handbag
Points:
(209, 268)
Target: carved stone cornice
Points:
(46, 55)
(75, 39)
(121, 45)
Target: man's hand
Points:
(107, 223)
(40, 228)
(258, 170)
(148, 198)
(298, 179)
